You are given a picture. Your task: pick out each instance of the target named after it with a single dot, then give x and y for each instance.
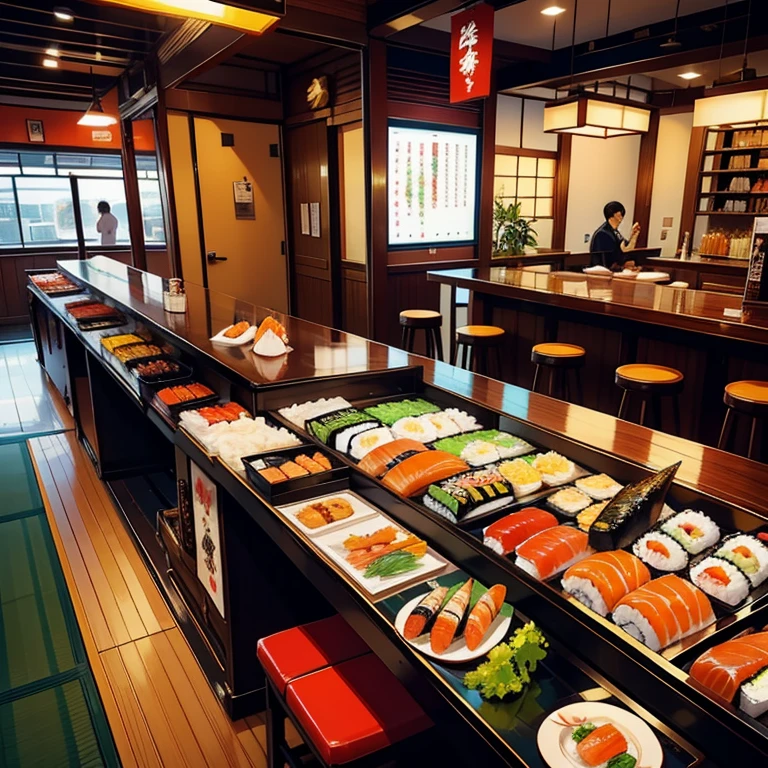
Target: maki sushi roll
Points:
(721, 580)
(337, 428)
(601, 580)
(450, 618)
(415, 428)
(737, 666)
(524, 478)
(421, 617)
(569, 501)
(510, 446)
(479, 492)
(599, 487)
(388, 455)
(389, 413)
(694, 531)
(554, 468)
(547, 553)
(660, 551)
(480, 452)
(748, 554)
(364, 442)
(506, 534)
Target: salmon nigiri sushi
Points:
(601, 580)
(504, 535)
(416, 473)
(663, 612)
(728, 667)
(547, 553)
(485, 610)
(449, 619)
(603, 744)
(423, 613)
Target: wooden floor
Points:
(159, 705)
(26, 407)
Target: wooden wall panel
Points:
(312, 299)
(354, 299)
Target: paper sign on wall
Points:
(101, 135)
(471, 53)
(305, 218)
(756, 290)
(314, 217)
(205, 509)
(244, 207)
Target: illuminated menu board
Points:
(432, 185)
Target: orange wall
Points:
(61, 129)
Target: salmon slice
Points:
(553, 548)
(601, 745)
(725, 667)
(419, 471)
(504, 535)
(614, 574)
(448, 620)
(377, 461)
(482, 615)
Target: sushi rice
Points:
(415, 428)
(754, 694)
(510, 446)
(554, 468)
(300, 413)
(661, 551)
(343, 438)
(463, 420)
(586, 593)
(480, 452)
(721, 580)
(443, 424)
(364, 442)
(599, 487)
(748, 554)
(524, 478)
(693, 530)
(569, 501)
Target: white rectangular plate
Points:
(333, 546)
(362, 511)
(243, 338)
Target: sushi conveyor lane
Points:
(437, 687)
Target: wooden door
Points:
(307, 168)
(255, 269)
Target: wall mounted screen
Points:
(432, 185)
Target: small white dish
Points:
(362, 511)
(457, 651)
(556, 745)
(598, 269)
(652, 277)
(626, 274)
(243, 338)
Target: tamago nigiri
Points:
(423, 613)
(481, 617)
(448, 620)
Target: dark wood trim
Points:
(691, 189)
(376, 127)
(450, 253)
(167, 194)
(645, 168)
(425, 266)
(198, 197)
(488, 162)
(132, 197)
(220, 105)
(562, 182)
(522, 152)
(431, 114)
(341, 197)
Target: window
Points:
(36, 206)
(527, 180)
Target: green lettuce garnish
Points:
(510, 664)
(622, 761)
(581, 733)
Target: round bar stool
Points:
(473, 343)
(412, 320)
(749, 398)
(559, 359)
(652, 382)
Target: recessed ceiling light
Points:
(52, 52)
(50, 63)
(689, 75)
(63, 14)
(553, 10)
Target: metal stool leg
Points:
(456, 349)
(470, 357)
(579, 391)
(752, 432)
(438, 343)
(428, 340)
(722, 443)
(403, 336)
(656, 406)
(535, 378)
(275, 730)
(643, 405)
(551, 381)
(623, 403)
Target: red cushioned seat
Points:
(354, 708)
(294, 652)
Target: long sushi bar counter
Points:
(546, 600)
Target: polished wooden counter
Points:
(723, 266)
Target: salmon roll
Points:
(601, 580)
(663, 612)
(450, 618)
(553, 550)
(482, 615)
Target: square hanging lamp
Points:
(731, 105)
(252, 16)
(596, 115)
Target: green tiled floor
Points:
(50, 713)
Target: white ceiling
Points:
(709, 70)
(524, 23)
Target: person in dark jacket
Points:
(608, 246)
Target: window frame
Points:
(538, 154)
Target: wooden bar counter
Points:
(621, 321)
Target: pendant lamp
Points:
(95, 116)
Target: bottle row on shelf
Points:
(753, 205)
(734, 245)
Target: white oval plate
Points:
(557, 727)
(457, 651)
(243, 338)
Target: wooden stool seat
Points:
(353, 709)
(427, 320)
(561, 355)
(473, 343)
(748, 397)
(652, 382)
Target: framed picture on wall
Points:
(35, 130)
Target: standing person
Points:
(608, 245)
(107, 224)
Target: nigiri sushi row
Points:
(445, 623)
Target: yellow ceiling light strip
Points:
(216, 13)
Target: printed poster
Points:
(756, 289)
(205, 509)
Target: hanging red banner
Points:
(471, 53)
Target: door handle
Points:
(213, 258)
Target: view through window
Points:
(36, 197)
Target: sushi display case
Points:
(448, 470)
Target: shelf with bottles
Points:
(732, 244)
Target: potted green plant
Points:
(511, 232)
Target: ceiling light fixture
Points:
(220, 13)
(689, 75)
(95, 116)
(673, 42)
(553, 10)
(52, 52)
(63, 14)
(50, 63)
